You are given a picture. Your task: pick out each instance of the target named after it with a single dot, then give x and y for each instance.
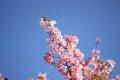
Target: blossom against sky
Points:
(22, 41)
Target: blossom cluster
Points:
(40, 77)
(69, 60)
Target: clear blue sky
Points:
(22, 41)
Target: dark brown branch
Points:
(68, 67)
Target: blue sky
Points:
(22, 41)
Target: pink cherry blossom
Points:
(40, 77)
(71, 63)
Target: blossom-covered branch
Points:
(70, 60)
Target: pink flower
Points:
(52, 23)
(77, 53)
(71, 40)
(0, 76)
(42, 76)
(30, 78)
(117, 77)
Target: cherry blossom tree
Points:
(69, 60)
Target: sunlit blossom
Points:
(71, 63)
